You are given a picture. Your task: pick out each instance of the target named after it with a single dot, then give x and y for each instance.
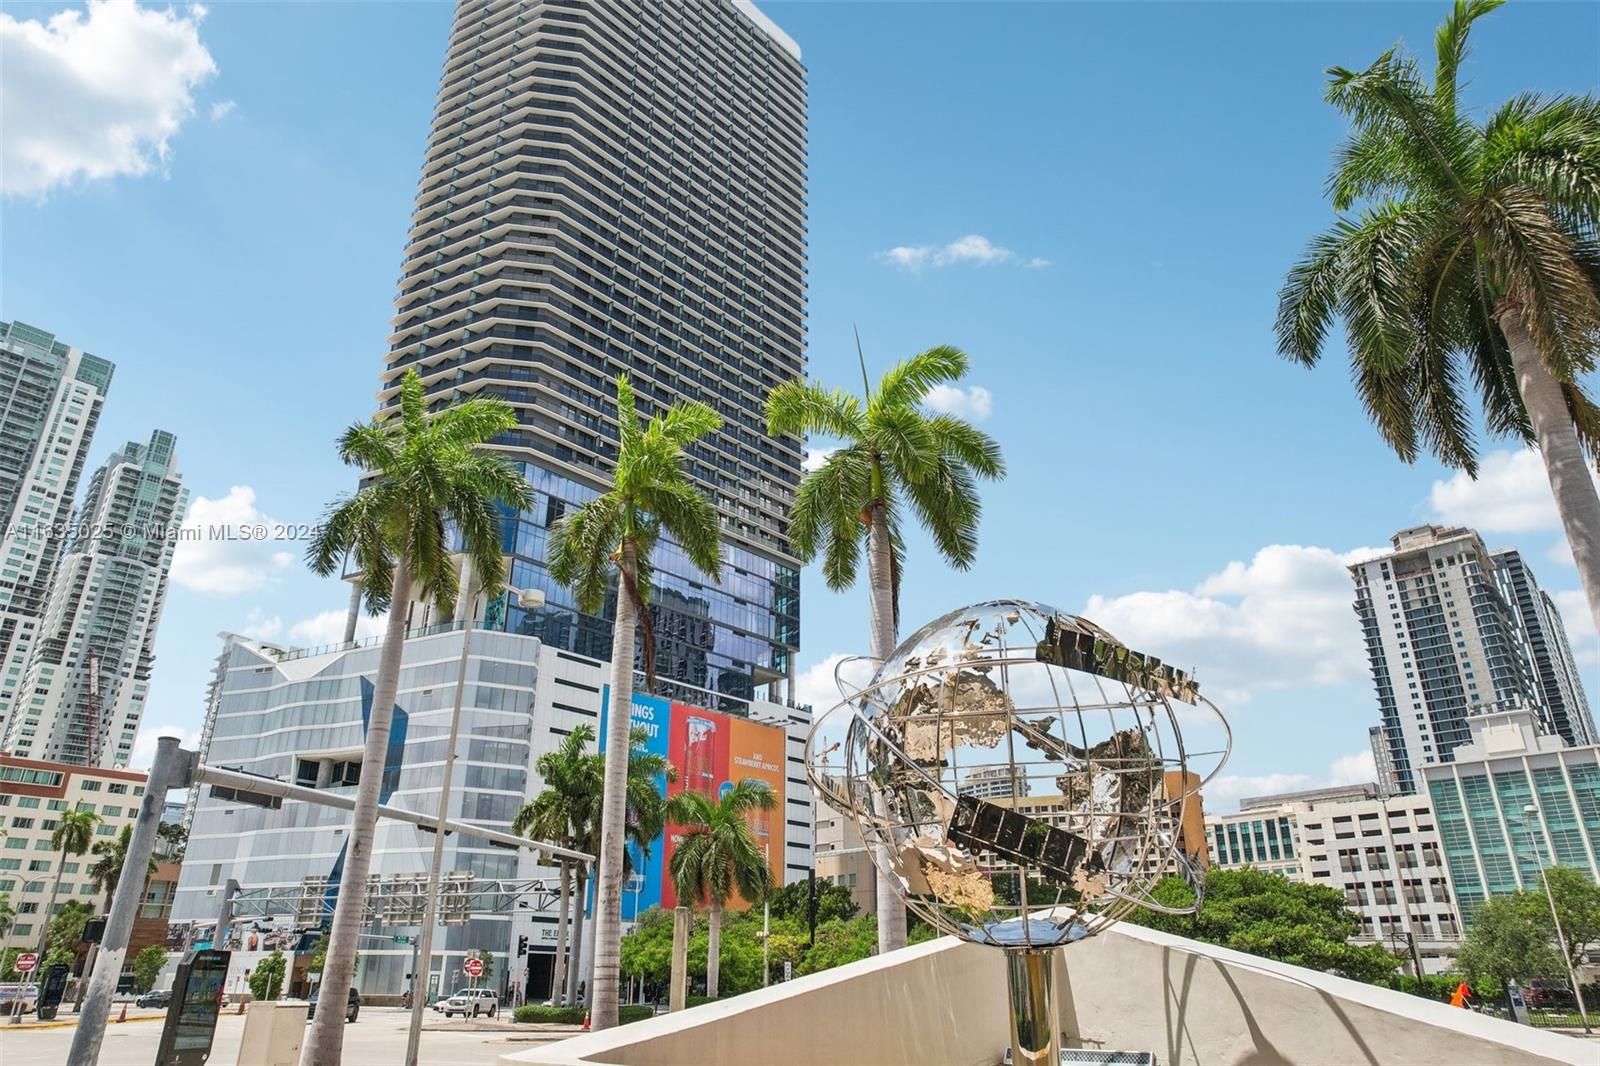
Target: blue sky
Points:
(1097, 201)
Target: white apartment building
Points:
(1384, 855)
(33, 795)
(1442, 642)
(50, 399)
(83, 693)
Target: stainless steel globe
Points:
(1019, 776)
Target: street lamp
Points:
(1529, 813)
(528, 599)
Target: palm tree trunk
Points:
(880, 580)
(325, 1044)
(714, 949)
(575, 956)
(44, 926)
(613, 819)
(1570, 478)
(558, 973)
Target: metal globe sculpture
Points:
(1021, 780)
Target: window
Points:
(90, 786)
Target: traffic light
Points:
(522, 946)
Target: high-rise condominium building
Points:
(50, 397)
(1565, 705)
(1442, 642)
(619, 188)
(84, 689)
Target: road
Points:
(378, 1038)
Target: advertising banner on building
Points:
(710, 751)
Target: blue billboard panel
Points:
(652, 714)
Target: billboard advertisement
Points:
(710, 751)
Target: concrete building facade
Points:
(1491, 844)
(50, 400)
(33, 795)
(619, 188)
(83, 694)
(300, 716)
(1442, 642)
(1383, 854)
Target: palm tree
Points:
(616, 532)
(72, 836)
(105, 873)
(893, 454)
(554, 816)
(718, 853)
(424, 474)
(1464, 248)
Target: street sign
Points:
(25, 962)
(402, 940)
(472, 967)
(788, 969)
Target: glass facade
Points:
(729, 638)
(1492, 847)
(272, 719)
(1252, 842)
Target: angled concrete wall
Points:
(1130, 989)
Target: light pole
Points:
(526, 598)
(1529, 814)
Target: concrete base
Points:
(273, 1032)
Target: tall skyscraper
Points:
(619, 188)
(1566, 707)
(84, 689)
(1443, 643)
(50, 397)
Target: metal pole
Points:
(173, 768)
(1035, 1022)
(1529, 813)
(430, 911)
(219, 939)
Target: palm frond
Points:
(798, 408)
(908, 382)
(968, 445)
(1450, 45)
(1307, 301)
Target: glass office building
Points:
(1564, 702)
(1492, 845)
(619, 188)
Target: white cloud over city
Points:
(1510, 495)
(225, 547)
(1352, 769)
(98, 93)
(974, 249)
(1280, 620)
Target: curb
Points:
(5, 1028)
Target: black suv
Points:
(352, 1005)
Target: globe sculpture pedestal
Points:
(1020, 779)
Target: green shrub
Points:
(574, 1015)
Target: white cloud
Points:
(1579, 623)
(1511, 495)
(328, 628)
(259, 627)
(222, 109)
(1560, 553)
(1282, 620)
(224, 548)
(97, 93)
(974, 403)
(973, 248)
(815, 457)
(816, 685)
(1038, 262)
(1354, 769)
(144, 745)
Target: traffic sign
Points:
(25, 962)
(402, 940)
(473, 967)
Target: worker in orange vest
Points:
(1462, 997)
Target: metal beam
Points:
(270, 786)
